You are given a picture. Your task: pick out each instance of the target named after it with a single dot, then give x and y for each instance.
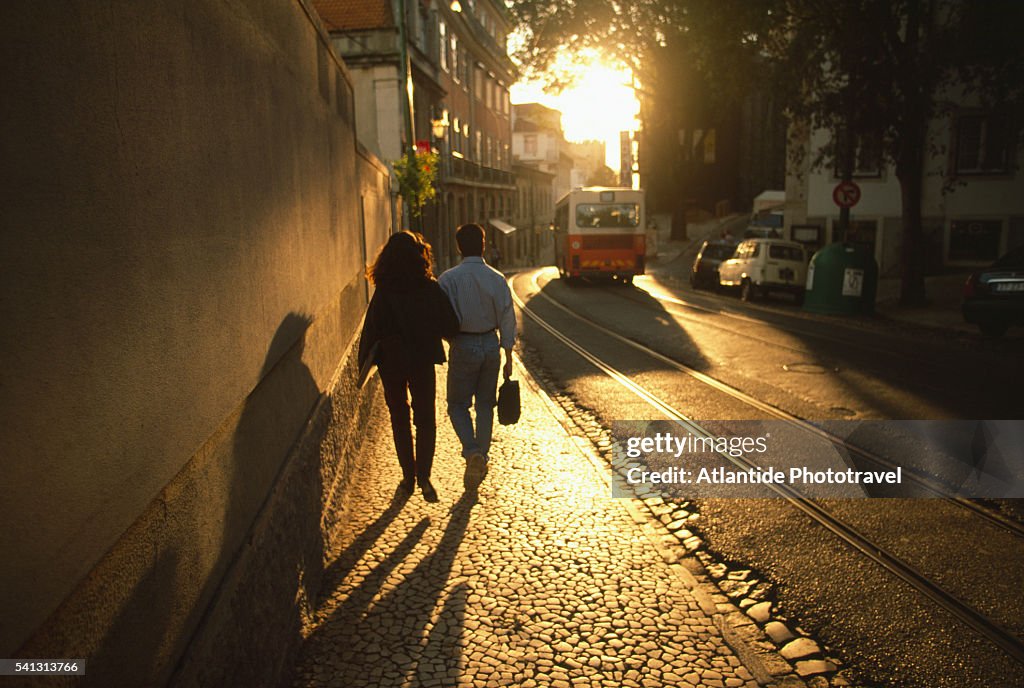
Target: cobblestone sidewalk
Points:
(538, 578)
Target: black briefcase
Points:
(508, 402)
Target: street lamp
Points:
(438, 126)
(456, 6)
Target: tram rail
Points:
(993, 631)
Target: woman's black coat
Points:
(409, 323)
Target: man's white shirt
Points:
(481, 298)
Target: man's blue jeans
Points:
(473, 364)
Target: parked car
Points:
(994, 297)
(761, 266)
(765, 224)
(704, 273)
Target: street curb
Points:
(745, 653)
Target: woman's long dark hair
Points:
(403, 261)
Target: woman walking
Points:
(405, 322)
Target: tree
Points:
(860, 68)
(886, 70)
(656, 40)
(602, 176)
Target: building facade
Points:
(589, 164)
(705, 148)
(972, 205)
(538, 142)
(532, 243)
(460, 75)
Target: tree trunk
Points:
(910, 172)
(680, 177)
(678, 221)
(910, 167)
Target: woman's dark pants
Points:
(418, 381)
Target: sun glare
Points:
(599, 105)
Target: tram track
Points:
(739, 317)
(869, 354)
(927, 484)
(969, 615)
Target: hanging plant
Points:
(417, 175)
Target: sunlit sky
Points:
(598, 106)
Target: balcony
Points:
(460, 170)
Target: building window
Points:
(477, 144)
(867, 162)
(982, 144)
(710, 150)
(442, 30)
(422, 22)
(530, 145)
(453, 47)
(974, 241)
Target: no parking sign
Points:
(846, 194)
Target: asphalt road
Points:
(817, 369)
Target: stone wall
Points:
(187, 218)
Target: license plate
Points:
(786, 274)
(1008, 286)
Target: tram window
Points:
(607, 215)
(562, 218)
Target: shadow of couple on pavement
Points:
(401, 623)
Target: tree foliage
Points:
(884, 69)
(602, 176)
(638, 35)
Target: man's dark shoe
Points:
(407, 486)
(476, 469)
(429, 493)
(476, 466)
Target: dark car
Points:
(704, 273)
(994, 297)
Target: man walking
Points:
(483, 302)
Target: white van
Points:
(760, 266)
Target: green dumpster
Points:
(842, 279)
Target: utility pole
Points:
(407, 98)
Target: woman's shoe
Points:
(429, 493)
